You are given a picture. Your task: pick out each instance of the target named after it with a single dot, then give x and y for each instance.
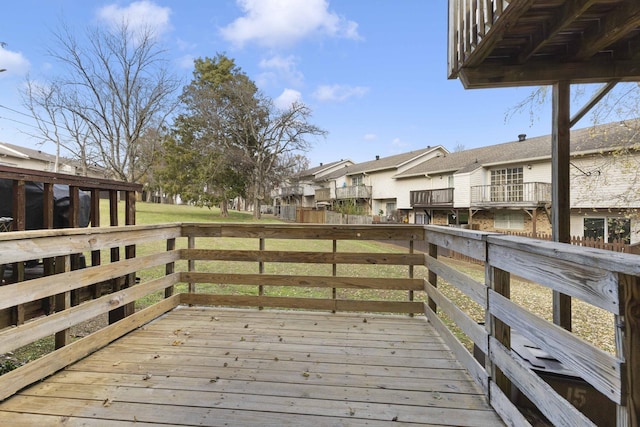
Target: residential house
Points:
(304, 190)
(369, 187)
(507, 187)
(27, 158)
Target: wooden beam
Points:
(560, 194)
(546, 73)
(631, 345)
(616, 26)
(604, 90)
(568, 13)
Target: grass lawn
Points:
(593, 325)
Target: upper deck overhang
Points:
(500, 43)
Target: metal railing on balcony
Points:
(323, 194)
(354, 192)
(432, 198)
(527, 194)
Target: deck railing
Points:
(250, 265)
(354, 192)
(527, 194)
(428, 198)
(469, 22)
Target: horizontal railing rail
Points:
(426, 198)
(343, 268)
(354, 192)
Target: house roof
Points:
(583, 141)
(11, 150)
(317, 170)
(380, 163)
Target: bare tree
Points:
(116, 89)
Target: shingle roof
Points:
(591, 139)
(312, 172)
(382, 163)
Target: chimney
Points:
(320, 163)
(522, 137)
(377, 157)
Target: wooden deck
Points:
(209, 366)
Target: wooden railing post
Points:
(170, 268)
(95, 222)
(191, 264)
(19, 224)
(500, 281)
(433, 277)
(411, 243)
(334, 272)
(130, 251)
(261, 269)
(116, 285)
(63, 301)
(628, 343)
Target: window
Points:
(506, 185)
(357, 180)
(509, 220)
(613, 228)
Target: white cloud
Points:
(397, 142)
(339, 92)
(280, 68)
(14, 63)
(276, 23)
(286, 98)
(139, 15)
(370, 136)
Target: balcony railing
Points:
(354, 192)
(528, 194)
(295, 190)
(432, 198)
(323, 194)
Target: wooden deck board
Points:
(205, 366)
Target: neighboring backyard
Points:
(593, 325)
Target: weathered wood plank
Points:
(306, 231)
(474, 368)
(36, 244)
(466, 242)
(470, 327)
(302, 303)
(553, 406)
(42, 287)
(302, 257)
(303, 281)
(596, 258)
(52, 362)
(24, 334)
(581, 280)
(595, 366)
(214, 378)
(473, 289)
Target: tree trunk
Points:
(224, 208)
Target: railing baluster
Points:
(63, 301)
(501, 283)
(191, 244)
(170, 268)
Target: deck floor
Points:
(216, 367)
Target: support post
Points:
(560, 195)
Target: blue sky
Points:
(373, 72)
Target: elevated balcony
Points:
(323, 195)
(527, 195)
(498, 43)
(354, 192)
(432, 198)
